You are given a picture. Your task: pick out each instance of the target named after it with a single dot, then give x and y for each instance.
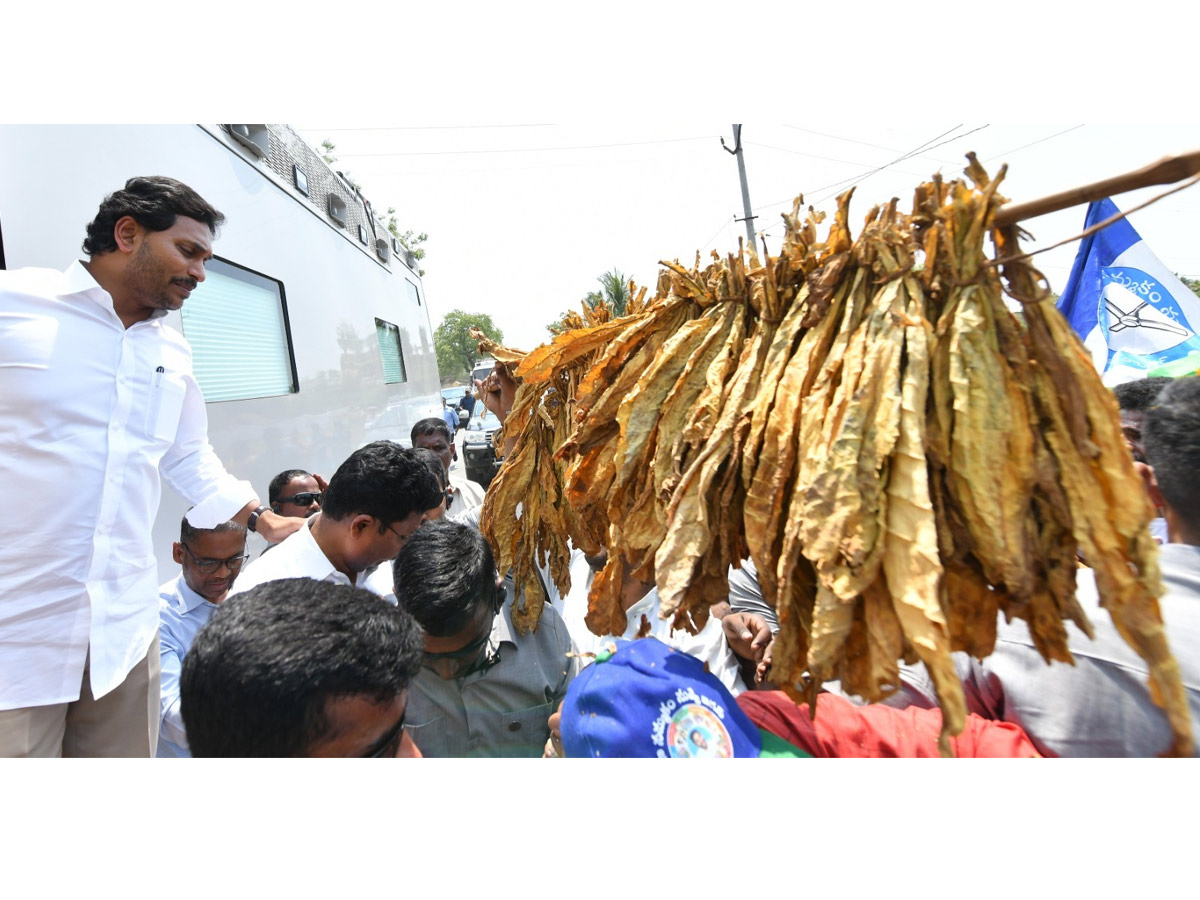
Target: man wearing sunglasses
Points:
(295, 492)
(483, 689)
(210, 561)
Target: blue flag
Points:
(1134, 315)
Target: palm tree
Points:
(615, 292)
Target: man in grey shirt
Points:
(1101, 706)
(483, 689)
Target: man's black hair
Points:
(383, 480)
(189, 532)
(280, 481)
(154, 202)
(430, 426)
(258, 676)
(1137, 396)
(434, 463)
(443, 574)
(1171, 434)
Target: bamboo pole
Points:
(1167, 170)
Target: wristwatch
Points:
(253, 520)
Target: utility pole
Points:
(748, 218)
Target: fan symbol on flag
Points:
(1120, 319)
(1139, 316)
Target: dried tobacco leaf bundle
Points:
(863, 417)
(524, 516)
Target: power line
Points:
(1023, 146)
(908, 155)
(813, 155)
(851, 140)
(873, 171)
(530, 149)
(724, 225)
(902, 158)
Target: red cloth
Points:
(842, 729)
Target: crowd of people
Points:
(376, 622)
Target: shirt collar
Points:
(80, 281)
(502, 626)
(645, 605)
(312, 550)
(191, 600)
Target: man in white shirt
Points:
(374, 502)
(295, 492)
(97, 400)
(639, 601)
(210, 560)
(432, 434)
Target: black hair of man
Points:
(1171, 434)
(430, 426)
(434, 462)
(1137, 396)
(189, 532)
(443, 574)
(257, 677)
(383, 480)
(280, 481)
(154, 202)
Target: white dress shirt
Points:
(181, 614)
(467, 495)
(709, 645)
(299, 556)
(91, 414)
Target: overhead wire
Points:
(901, 159)
(857, 180)
(724, 225)
(870, 173)
(1023, 146)
(809, 155)
(851, 140)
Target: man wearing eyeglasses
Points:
(375, 501)
(210, 560)
(483, 689)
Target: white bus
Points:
(310, 334)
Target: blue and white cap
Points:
(645, 699)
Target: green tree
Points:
(1193, 284)
(614, 292)
(456, 349)
(409, 241)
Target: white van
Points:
(310, 334)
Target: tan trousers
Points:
(124, 722)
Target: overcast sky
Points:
(523, 217)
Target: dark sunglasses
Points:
(208, 566)
(305, 499)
